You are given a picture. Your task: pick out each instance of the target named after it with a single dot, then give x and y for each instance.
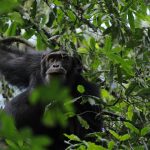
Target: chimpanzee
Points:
(31, 69)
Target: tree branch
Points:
(38, 28)
(113, 115)
(16, 39)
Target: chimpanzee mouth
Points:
(55, 75)
(57, 72)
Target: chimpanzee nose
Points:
(55, 65)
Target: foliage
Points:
(112, 37)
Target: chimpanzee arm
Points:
(23, 112)
(17, 66)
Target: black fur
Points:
(24, 70)
(17, 66)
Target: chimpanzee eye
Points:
(51, 59)
(65, 58)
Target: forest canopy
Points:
(113, 39)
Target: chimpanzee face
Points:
(57, 65)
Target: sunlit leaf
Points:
(71, 15)
(93, 146)
(115, 134)
(81, 88)
(11, 31)
(92, 43)
(111, 145)
(108, 44)
(72, 137)
(132, 127)
(130, 113)
(131, 19)
(82, 50)
(124, 137)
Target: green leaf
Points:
(81, 147)
(132, 127)
(106, 95)
(111, 145)
(71, 15)
(15, 16)
(95, 63)
(130, 113)
(40, 43)
(83, 122)
(125, 64)
(51, 18)
(80, 88)
(115, 134)
(143, 18)
(120, 138)
(124, 137)
(35, 95)
(131, 88)
(11, 144)
(131, 20)
(82, 50)
(11, 31)
(145, 130)
(108, 44)
(117, 49)
(42, 141)
(145, 92)
(72, 137)
(49, 119)
(28, 33)
(58, 3)
(92, 43)
(93, 146)
(7, 5)
(7, 124)
(20, 143)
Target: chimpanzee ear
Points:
(44, 57)
(77, 64)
